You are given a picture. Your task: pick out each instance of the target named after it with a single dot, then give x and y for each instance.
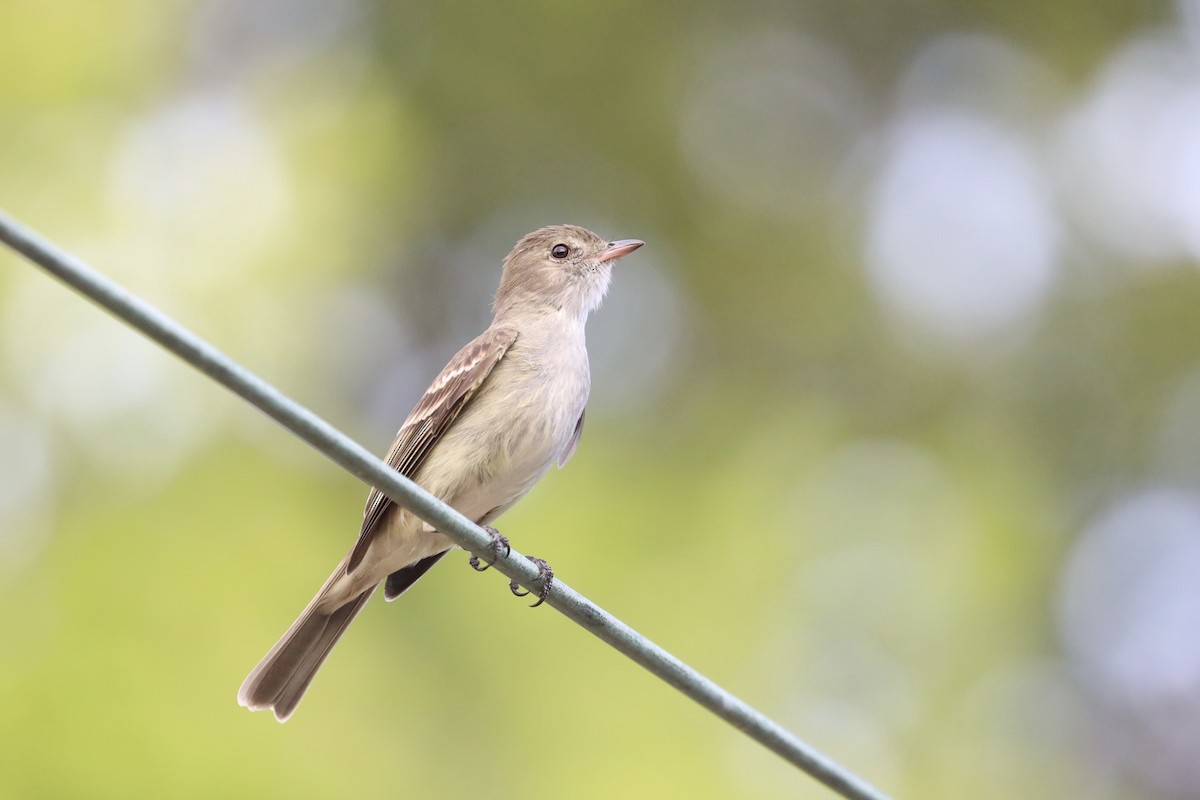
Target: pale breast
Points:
(522, 418)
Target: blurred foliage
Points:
(869, 507)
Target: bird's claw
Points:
(545, 578)
(499, 542)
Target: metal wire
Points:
(359, 462)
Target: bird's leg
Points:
(545, 576)
(499, 542)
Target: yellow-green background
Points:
(947, 539)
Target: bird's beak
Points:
(615, 250)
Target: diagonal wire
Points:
(359, 462)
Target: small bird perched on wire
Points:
(506, 407)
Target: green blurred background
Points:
(895, 429)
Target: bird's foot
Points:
(545, 577)
(499, 542)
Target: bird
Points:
(507, 406)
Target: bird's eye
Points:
(560, 251)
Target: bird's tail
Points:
(280, 679)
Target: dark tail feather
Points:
(398, 582)
(280, 679)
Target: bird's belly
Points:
(486, 462)
(507, 456)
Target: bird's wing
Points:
(569, 450)
(444, 400)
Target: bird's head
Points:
(559, 268)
